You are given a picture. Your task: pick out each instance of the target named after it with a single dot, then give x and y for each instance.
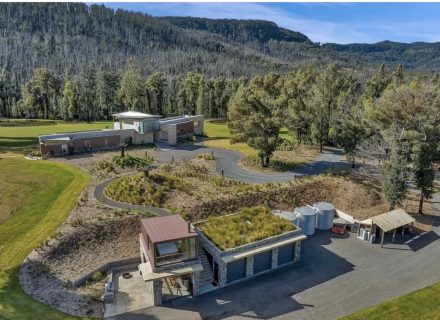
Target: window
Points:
(175, 251)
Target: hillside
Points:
(417, 55)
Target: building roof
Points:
(181, 119)
(392, 220)
(79, 135)
(134, 115)
(167, 228)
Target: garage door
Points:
(236, 270)
(286, 254)
(262, 261)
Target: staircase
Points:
(206, 274)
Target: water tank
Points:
(307, 219)
(291, 216)
(325, 215)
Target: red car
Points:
(338, 230)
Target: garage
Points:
(286, 254)
(262, 262)
(236, 270)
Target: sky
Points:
(322, 22)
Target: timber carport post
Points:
(391, 221)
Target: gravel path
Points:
(227, 163)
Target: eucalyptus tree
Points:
(256, 115)
(326, 90)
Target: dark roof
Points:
(167, 228)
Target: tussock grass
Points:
(150, 190)
(247, 226)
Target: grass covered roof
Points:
(247, 226)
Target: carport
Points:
(392, 220)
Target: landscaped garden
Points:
(247, 226)
(35, 198)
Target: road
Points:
(227, 164)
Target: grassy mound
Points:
(150, 190)
(247, 226)
(33, 204)
(124, 162)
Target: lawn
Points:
(218, 136)
(19, 133)
(422, 304)
(35, 197)
(247, 226)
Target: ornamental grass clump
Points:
(247, 226)
(150, 190)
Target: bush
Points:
(98, 276)
(206, 156)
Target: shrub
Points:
(206, 156)
(98, 276)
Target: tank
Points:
(291, 216)
(307, 219)
(325, 214)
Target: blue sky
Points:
(321, 22)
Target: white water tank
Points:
(325, 214)
(291, 216)
(307, 219)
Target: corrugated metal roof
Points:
(391, 220)
(167, 228)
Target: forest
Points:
(82, 63)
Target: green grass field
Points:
(218, 136)
(20, 133)
(35, 198)
(421, 305)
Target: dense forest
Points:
(77, 62)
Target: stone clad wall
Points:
(222, 267)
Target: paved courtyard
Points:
(336, 277)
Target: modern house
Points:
(179, 259)
(169, 257)
(130, 128)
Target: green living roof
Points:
(247, 226)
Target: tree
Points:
(38, 91)
(326, 91)
(422, 157)
(256, 115)
(395, 174)
(131, 91)
(107, 85)
(348, 127)
(70, 100)
(156, 85)
(298, 115)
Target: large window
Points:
(176, 251)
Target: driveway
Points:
(336, 277)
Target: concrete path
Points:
(336, 277)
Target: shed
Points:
(392, 221)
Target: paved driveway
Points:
(336, 277)
(227, 161)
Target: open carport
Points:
(391, 221)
